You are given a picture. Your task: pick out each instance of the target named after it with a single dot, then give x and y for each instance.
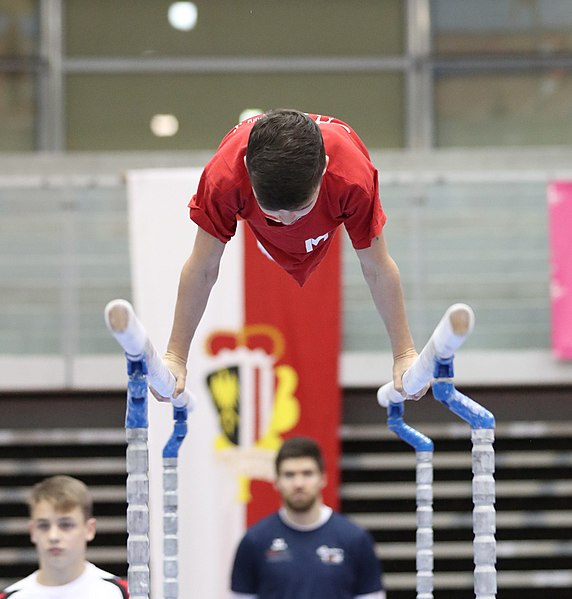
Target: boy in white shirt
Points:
(61, 525)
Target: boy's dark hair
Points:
(64, 492)
(299, 447)
(285, 159)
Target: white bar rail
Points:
(448, 336)
(127, 329)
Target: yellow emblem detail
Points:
(256, 460)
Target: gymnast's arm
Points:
(198, 276)
(382, 276)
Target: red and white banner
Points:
(263, 365)
(560, 238)
(308, 319)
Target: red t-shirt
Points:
(348, 194)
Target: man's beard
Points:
(301, 505)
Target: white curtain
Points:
(211, 519)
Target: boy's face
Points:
(289, 217)
(60, 537)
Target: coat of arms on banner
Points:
(254, 399)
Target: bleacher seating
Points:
(533, 488)
(533, 504)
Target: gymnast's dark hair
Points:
(285, 159)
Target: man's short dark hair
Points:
(299, 447)
(285, 159)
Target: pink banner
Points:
(560, 226)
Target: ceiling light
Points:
(164, 125)
(183, 15)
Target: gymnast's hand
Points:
(178, 368)
(401, 363)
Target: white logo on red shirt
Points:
(313, 242)
(321, 120)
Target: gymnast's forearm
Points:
(382, 276)
(195, 286)
(198, 276)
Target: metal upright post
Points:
(145, 365)
(137, 425)
(170, 505)
(482, 424)
(448, 336)
(424, 496)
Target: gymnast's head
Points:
(285, 160)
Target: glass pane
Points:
(483, 243)
(63, 256)
(17, 112)
(235, 28)
(18, 28)
(504, 109)
(206, 107)
(501, 26)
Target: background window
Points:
(17, 112)
(114, 112)
(19, 46)
(501, 26)
(504, 109)
(231, 28)
(18, 28)
(502, 72)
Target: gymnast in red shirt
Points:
(294, 178)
